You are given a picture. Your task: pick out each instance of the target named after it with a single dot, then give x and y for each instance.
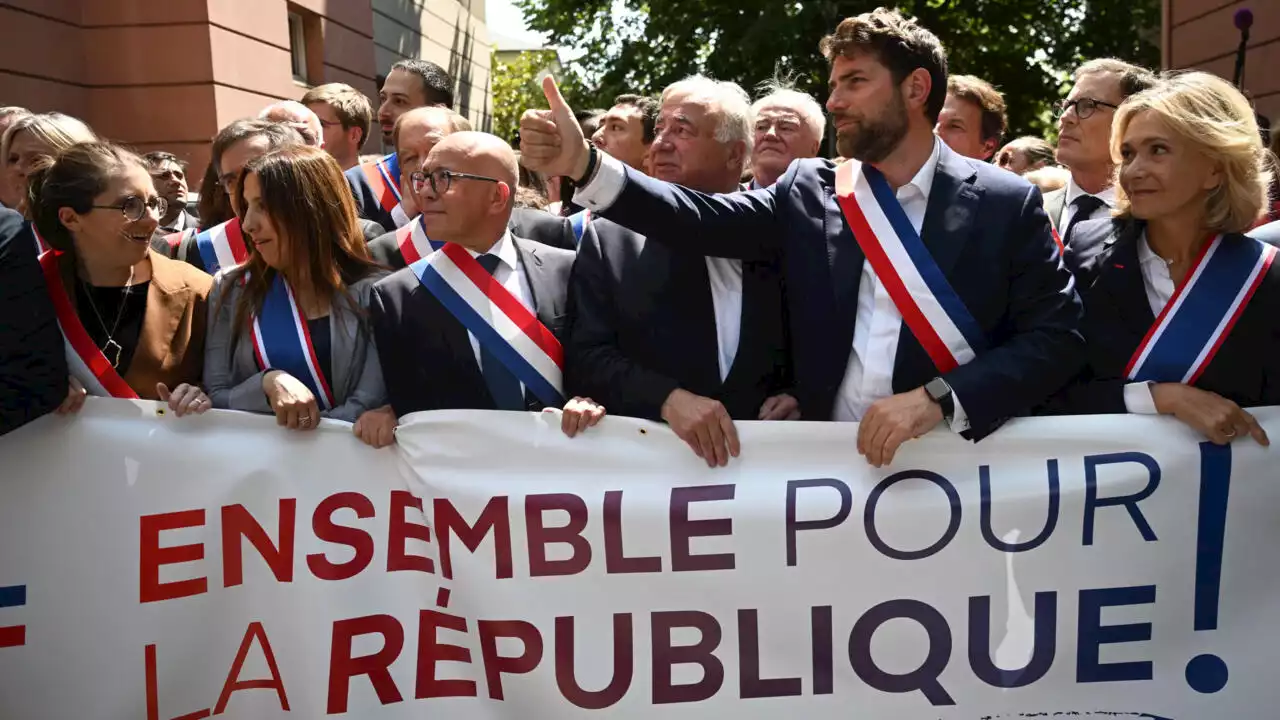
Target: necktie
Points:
(503, 385)
(1086, 206)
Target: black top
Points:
(129, 304)
(322, 340)
(33, 364)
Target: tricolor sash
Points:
(41, 246)
(222, 246)
(498, 319)
(414, 243)
(579, 221)
(85, 360)
(281, 341)
(384, 177)
(929, 305)
(1197, 319)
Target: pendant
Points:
(113, 356)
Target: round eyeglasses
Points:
(441, 180)
(134, 207)
(1084, 106)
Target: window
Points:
(298, 46)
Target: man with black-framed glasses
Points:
(476, 319)
(1084, 140)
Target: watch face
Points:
(937, 388)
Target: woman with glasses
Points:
(288, 328)
(132, 319)
(1182, 311)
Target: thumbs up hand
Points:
(551, 141)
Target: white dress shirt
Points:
(1159, 285)
(512, 277)
(726, 297)
(869, 375)
(1107, 196)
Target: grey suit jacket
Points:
(1055, 204)
(234, 381)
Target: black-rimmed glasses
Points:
(441, 180)
(1084, 106)
(134, 207)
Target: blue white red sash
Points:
(498, 319)
(384, 177)
(413, 242)
(579, 221)
(222, 246)
(929, 305)
(1197, 319)
(281, 341)
(85, 360)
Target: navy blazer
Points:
(645, 325)
(1103, 254)
(986, 229)
(427, 359)
(33, 361)
(368, 206)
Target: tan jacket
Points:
(171, 346)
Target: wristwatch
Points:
(940, 392)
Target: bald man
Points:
(416, 132)
(297, 116)
(432, 320)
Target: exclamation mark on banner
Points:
(1208, 673)
(13, 635)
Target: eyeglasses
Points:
(441, 180)
(328, 124)
(134, 207)
(1084, 106)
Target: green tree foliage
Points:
(1025, 47)
(517, 86)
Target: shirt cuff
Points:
(603, 189)
(399, 217)
(959, 419)
(1138, 399)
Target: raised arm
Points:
(737, 225)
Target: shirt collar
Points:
(923, 180)
(1146, 255)
(1108, 195)
(505, 249)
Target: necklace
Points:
(112, 348)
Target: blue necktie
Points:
(503, 385)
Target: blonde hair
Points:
(54, 129)
(1210, 114)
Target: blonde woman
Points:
(32, 138)
(1182, 311)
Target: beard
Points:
(872, 139)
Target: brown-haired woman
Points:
(287, 330)
(133, 320)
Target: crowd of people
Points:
(687, 258)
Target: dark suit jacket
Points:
(368, 206)
(33, 362)
(645, 325)
(426, 355)
(536, 225)
(1104, 257)
(985, 228)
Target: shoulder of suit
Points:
(385, 240)
(1269, 233)
(544, 251)
(396, 282)
(176, 275)
(13, 231)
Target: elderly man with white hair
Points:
(663, 334)
(297, 116)
(788, 126)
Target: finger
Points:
(292, 418)
(866, 430)
(162, 392)
(312, 411)
(703, 432)
(77, 400)
(875, 443)
(386, 435)
(691, 439)
(891, 445)
(794, 414)
(554, 98)
(730, 433)
(767, 408)
(1255, 430)
(567, 424)
(183, 398)
(595, 415)
(718, 442)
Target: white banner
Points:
(1102, 567)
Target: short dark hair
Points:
(1133, 78)
(277, 135)
(648, 107)
(156, 158)
(899, 43)
(437, 84)
(987, 98)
